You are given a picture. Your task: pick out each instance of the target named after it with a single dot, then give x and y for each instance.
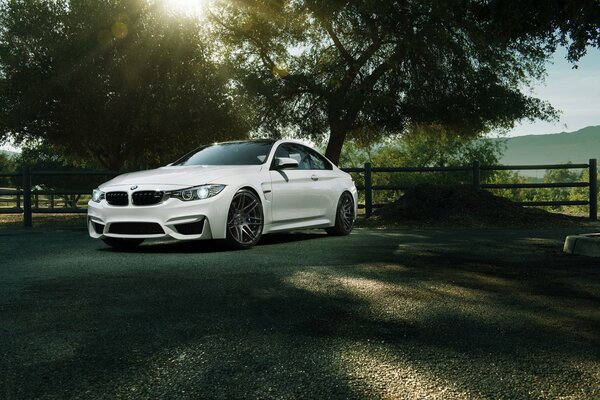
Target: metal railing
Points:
(27, 193)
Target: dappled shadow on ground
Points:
(377, 315)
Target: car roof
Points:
(295, 141)
(250, 141)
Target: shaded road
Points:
(449, 314)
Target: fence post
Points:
(476, 175)
(368, 191)
(26, 197)
(593, 189)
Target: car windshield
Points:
(235, 153)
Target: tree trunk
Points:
(335, 144)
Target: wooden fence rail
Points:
(475, 170)
(26, 192)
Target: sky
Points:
(576, 92)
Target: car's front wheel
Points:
(245, 220)
(122, 244)
(344, 216)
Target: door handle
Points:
(314, 178)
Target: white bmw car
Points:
(235, 191)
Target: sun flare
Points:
(189, 7)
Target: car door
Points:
(324, 188)
(295, 192)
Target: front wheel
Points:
(344, 216)
(122, 244)
(245, 220)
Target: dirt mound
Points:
(463, 206)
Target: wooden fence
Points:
(475, 170)
(27, 193)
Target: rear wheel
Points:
(123, 244)
(245, 220)
(344, 217)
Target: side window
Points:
(317, 161)
(295, 152)
(282, 151)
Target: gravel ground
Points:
(381, 314)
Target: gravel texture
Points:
(381, 314)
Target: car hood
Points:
(182, 176)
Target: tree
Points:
(111, 83)
(327, 70)
(574, 24)
(582, 193)
(435, 146)
(422, 146)
(556, 194)
(6, 165)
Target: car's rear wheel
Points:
(245, 220)
(344, 216)
(123, 244)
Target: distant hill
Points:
(556, 148)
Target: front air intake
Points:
(136, 228)
(98, 228)
(194, 228)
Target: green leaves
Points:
(117, 80)
(114, 83)
(383, 65)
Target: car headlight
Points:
(197, 192)
(97, 195)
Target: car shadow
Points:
(290, 237)
(215, 246)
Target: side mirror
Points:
(285, 163)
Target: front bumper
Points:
(171, 218)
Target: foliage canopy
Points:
(122, 84)
(115, 83)
(329, 69)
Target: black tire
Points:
(344, 216)
(122, 244)
(245, 220)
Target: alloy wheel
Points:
(245, 219)
(346, 212)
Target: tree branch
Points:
(369, 52)
(302, 84)
(380, 70)
(355, 68)
(336, 41)
(262, 52)
(373, 29)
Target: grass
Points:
(69, 221)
